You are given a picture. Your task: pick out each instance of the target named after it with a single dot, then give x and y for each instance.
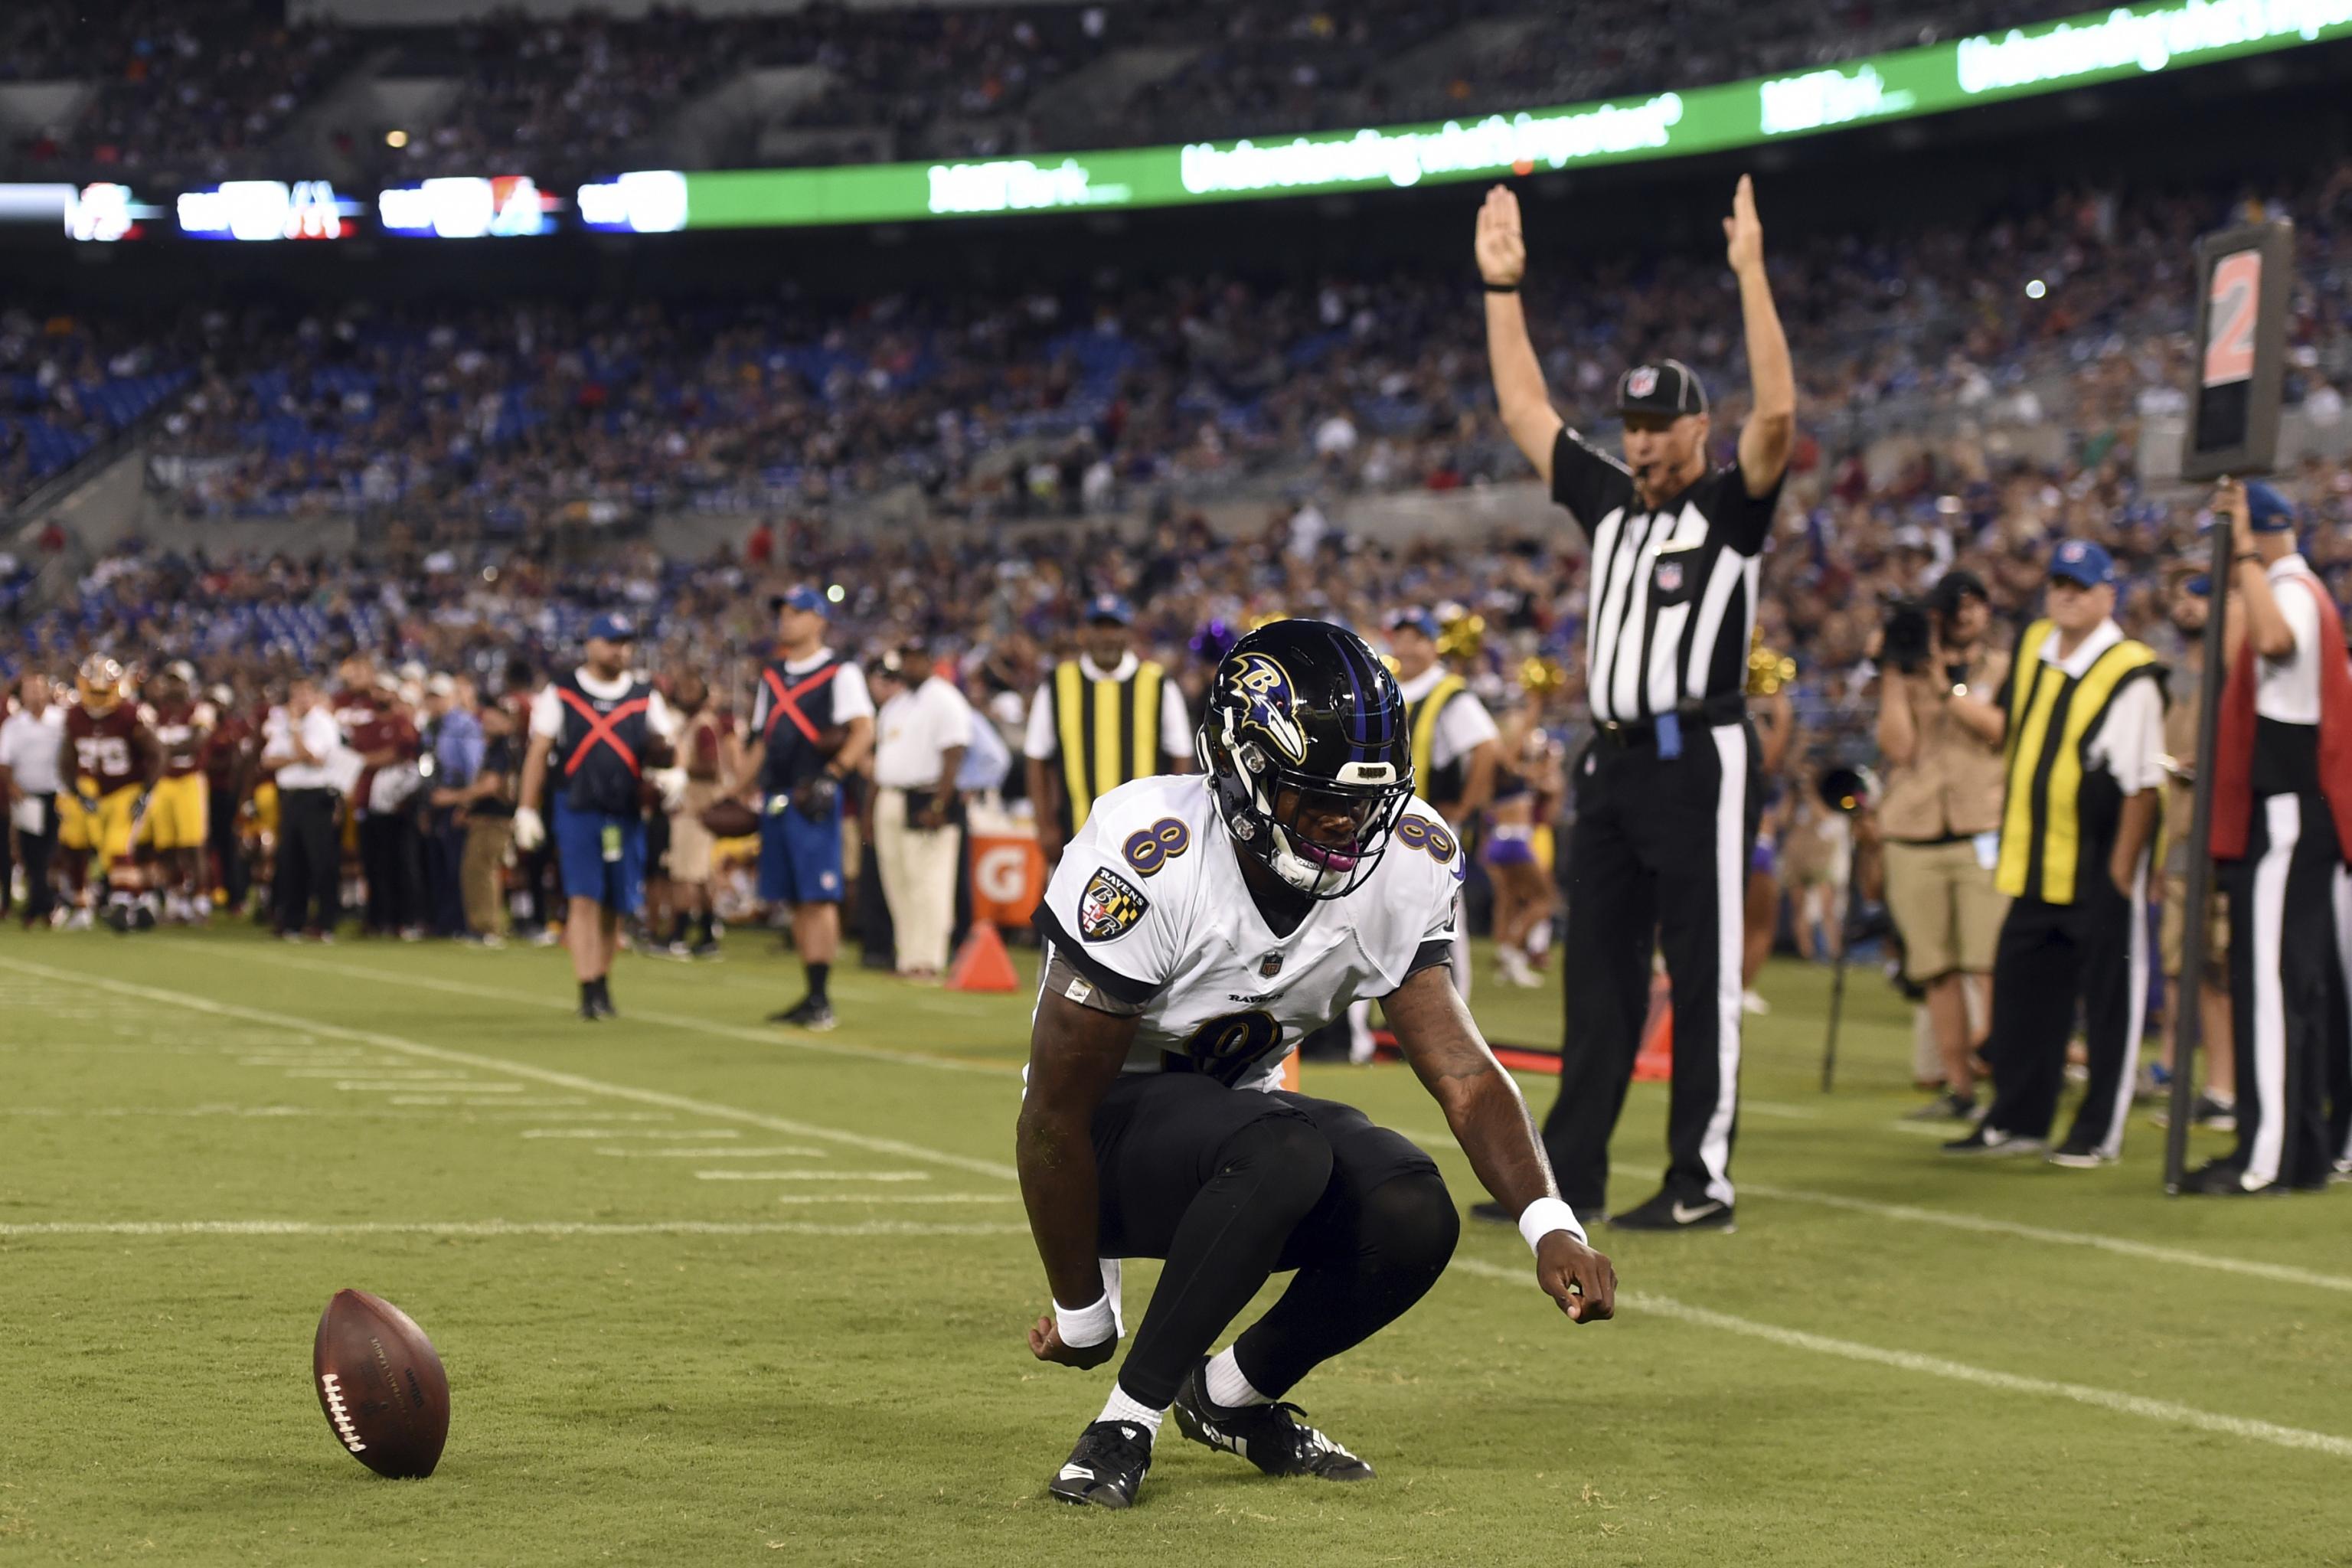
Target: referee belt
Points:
(1708, 713)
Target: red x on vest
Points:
(600, 728)
(788, 701)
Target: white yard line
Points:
(1984, 1225)
(899, 1198)
(773, 1036)
(813, 1176)
(496, 1227)
(780, 1152)
(646, 1133)
(2163, 1410)
(421, 1051)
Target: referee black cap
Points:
(1665, 386)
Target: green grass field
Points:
(710, 1293)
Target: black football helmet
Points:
(1304, 740)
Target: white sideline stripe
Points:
(899, 1199)
(522, 1070)
(643, 1132)
(780, 1152)
(421, 1086)
(769, 1036)
(185, 1110)
(521, 1099)
(2162, 1410)
(498, 1228)
(378, 1069)
(813, 1176)
(1776, 1108)
(2176, 1257)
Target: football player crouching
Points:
(1197, 928)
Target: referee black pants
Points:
(1657, 859)
(309, 884)
(2284, 980)
(2095, 949)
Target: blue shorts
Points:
(617, 882)
(800, 859)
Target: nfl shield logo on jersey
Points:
(1670, 576)
(1269, 966)
(1641, 380)
(1109, 907)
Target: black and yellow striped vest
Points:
(1109, 732)
(2060, 819)
(1421, 723)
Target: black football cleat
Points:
(1107, 1467)
(2221, 1179)
(1669, 1211)
(810, 1013)
(1270, 1437)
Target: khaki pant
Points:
(919, 874)
(478, 874)
(1944, 903)
(689, 842)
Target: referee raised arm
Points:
(1667, 793)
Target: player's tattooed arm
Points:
(1074, 1054)
(1490, 1120)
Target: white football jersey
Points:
(1149, 903)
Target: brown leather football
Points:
(381, 1383)
(729, 819)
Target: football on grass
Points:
(381, 1383)
(729, 819)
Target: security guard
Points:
(1456, 745)
(811, 726)
(602, 725)
(1667, 795)
(1101, 719)
(2081, 719)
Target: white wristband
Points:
(1082, 1326)
(1538, 1220)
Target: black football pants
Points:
(1233, 1185)
(308, 885)
(2284, 972)
(1658, 859)
(2052, 955)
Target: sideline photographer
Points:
(1939, 735)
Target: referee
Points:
(1667, 793)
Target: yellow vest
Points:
(1421, 719)
(2052, 717)
(1108, 729)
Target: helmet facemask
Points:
(1321, 836)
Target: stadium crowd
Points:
(497, 415)
(213, 90)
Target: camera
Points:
(1905, 636)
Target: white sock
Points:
(1225, 1385)
(1119, 1407)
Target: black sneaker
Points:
(1945, 1107)
(2221, 1179)
(1107, 1467)
(811, 1014)
(1668, 1212)
(589, 1013)
(2079, 1154)
(1270, 1437)
(1989, 1140)
(705, 949)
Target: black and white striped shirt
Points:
(1672, 599)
